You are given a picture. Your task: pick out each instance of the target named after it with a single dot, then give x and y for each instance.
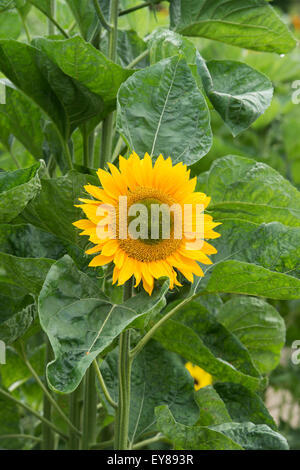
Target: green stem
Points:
(48, 393)
(48, 438)
(16, 161)
(101, 16)
(85, 142)
(68, 155)
(89, 410)
(124, 375)
(142, 343)
(25, 26)
(74, 415)
(34, 413)
(139, 7)
(137, 59)
(51, 26)
(139, 445)
(107, 126)
(20, 436)
(102, 445)
(103, 385)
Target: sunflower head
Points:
(145, 219)
(201, 378)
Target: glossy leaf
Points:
(244, 405)
(200, 339)
(252, 24)
(81, 322)
(161, 110)
(238, 92)
(17, 188)
(258, 326)
(246, 189)
(227, 436)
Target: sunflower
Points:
(143, 182)
(200, 376)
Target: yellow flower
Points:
(146, 259)
(201, 378)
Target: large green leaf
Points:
(161, 110)
(158, 377)
(254, 259)
(258, 326)
(191, 437)
(243, 405)
(23, 119)
(212, 408)
(16, 325)
(10, 25)
(88, 66)
(252, 24)
(81, 322)
(246, 189)
(53, 209)
(200, 339)
(17, 188)
(238, 92)
(227, 436)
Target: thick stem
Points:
(124, 375)
(34, 413)
(101, 16)
(103, 385)
(107, 126)
(48, 438)
(89, 410)
(74, 415)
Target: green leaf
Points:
(158, 377)
(17, 324)
(252, 259)
(24, 120)
(253, 437)
(19, 62)
(129, 46)
(26, 273)
(252, 24)
(244, 405)
(226, 436)
(10, 25)
(246, 189)
(88, 66)
(238, 92)
(192, 437)
(200, 339)
(17, 188)
(212, 408)
(165, 43)
(237, 277)
(85, 15)
(161, 110)
(258, 326)
(53, 209)
(81, 322)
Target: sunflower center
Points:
(152, 243)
